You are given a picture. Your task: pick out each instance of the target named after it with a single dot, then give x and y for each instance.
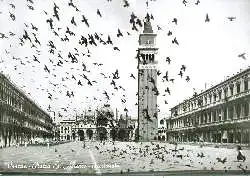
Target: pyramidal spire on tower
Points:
(147, 25)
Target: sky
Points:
(209, 50)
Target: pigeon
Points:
(197, 2)
(183, 67)
(126, 4)
(175, 41)
(231, 18)
(99, 13)
(175, 21)
(242, 56)
(184, 2)
(221, 160)
(207, 18)
(168, 60)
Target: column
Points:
(241, 135)
(234, 135)
(227, 113)
(234, 112)
(222, 114)
(210, 136)
(248, 137)
(241, 110)
(211, 116)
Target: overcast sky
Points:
(209, 50)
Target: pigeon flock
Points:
(167, 157)
(131, 157)
(51, 52)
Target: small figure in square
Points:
(240, 156)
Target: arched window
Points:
(162, 121)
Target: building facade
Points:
(21, 120)
(86, 128)
(147, 85)
(219, 114)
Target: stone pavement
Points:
(120, 158)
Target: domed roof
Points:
(106, 108)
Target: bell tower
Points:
(147, 84)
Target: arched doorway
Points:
(81, 135)
(73, 135)
(102, 133)
(122, 135)
(113, 134)
(163, 138)
(159, 138)
(89, 133)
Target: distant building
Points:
(21, 120)
(91, 125)
(66, 129)
(219, 114)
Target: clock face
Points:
(146, 40)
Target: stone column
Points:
(222, 115)
(227, 113)
(210, 136)
(234, 112)
(248, 136)
(234, 136)
(242, 110)
(211, 118)
(241, 135)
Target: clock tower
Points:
(147, 85)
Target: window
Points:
(231, 90)
(238, 87)
(201, 118)
(214, 97)
(219, 93)
(246, 109)
(225, 92)
(210, 98)
(246, 85)
(238, 109)
(209, 117)
(162, 121)
(225, 114)
(230, 112)
(219, 114)
(214, 116)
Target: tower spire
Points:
(147, 25)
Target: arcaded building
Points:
(219, 114)
(21, 120)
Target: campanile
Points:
(147, 84)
